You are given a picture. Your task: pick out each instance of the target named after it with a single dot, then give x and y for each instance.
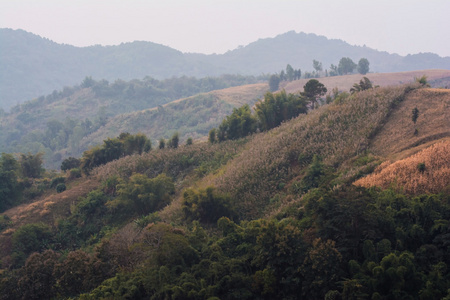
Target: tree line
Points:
(345, 66)
(269, 112)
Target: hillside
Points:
(33, 66)
(272, 215)
(68, 122)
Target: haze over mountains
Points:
(34, 66)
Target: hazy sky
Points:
(215, 26)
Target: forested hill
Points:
(33, 66)
(347, 200)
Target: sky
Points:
(216, 26)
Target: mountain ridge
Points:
(34, 66)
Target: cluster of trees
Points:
(269, 112)
(345, 66)
(17, 178)
(335, 244)
(114, 148)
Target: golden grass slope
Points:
(404, 175)
(336, 132)
(344, 83)
(433, 123)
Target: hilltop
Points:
(33, 66)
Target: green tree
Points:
(9, 185)
(237, 125)
(212, 136)
(364, 84)
(363, 66)
(317, 65)
(312, 90)
(142, 195)
(346, 65)
(415, 114)
(289, 72)
(70, 163)
(274, 83)
(31, 165)
(162, 143)
(173, 142)
(206, 205)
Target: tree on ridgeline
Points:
(313, 90)
(346, 65)
(274, 83)
(363, 66)
(289, 72)
(364, 84)
(317, 65)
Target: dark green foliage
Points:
(70, 163)
(279, 107)
(61, 187)
(162, 143)
(56, 181)
(31, 165)
(239, 124)
(212, 136)
(189, 141)
(5, 221)
(206, 206)
(421, 167)
(274, 83)
(28, 239)
(112, 149)
(312, 90)
(415, 115)
(174, 140)
(364, 84)
(9, 185)
(74, 173)
(363, 66)
(141, 195)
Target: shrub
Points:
(74, 173)
(206, 205)
(421, 167)
(30, 238)
(61, 187)
(56, 181)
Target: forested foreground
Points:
(261, 211)
(349, 243)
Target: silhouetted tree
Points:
(363, 66)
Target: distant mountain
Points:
(32, 66)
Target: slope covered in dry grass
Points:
(345, 82)
(410, 176)
(335, 132)
(433, 123)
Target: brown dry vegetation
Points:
(433, 123)
(404, 175)
(336, 132)
(344, 83)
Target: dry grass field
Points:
(433, 123)
(344, 83)
(407, 176)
